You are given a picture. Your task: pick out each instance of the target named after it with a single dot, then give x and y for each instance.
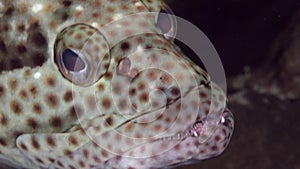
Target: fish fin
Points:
(43, 149)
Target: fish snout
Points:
(219, 140)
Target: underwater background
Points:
(259, 45)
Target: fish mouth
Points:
(197, 130)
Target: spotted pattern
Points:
(95, 84)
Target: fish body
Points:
(96, 84)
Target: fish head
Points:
(100, 84)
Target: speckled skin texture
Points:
(125, 103)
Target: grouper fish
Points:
(100, 84)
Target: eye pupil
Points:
(72, 61)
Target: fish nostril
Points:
(227, 118)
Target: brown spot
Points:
(51, 82)
(73, 140)
(50, 141)
(203, 95)
(27, 73)
(214, 148)
(34, 143)
(96, 14)
(21, 28)
(72, 112)
(67, 152)
(32, 123)
(86, 153)
(157, 127)
(3, 120)
(175, 91)
(71, 32)
(132, 91)
(217, 138)
(108, 76)
(16, 107)
(37, 108)
(206, 111)
(148, 46)
(5, 27)
(106, 65)
(125, 46)
(101, 87)
(78, 36)
(104, 153)
(33, 90)
(2, 91)
(109, 121)
(75, 110)
(177, 147)
(59, 163)
(81, 164)
(51, 160)
(142, 86)
(9, 11)
(68, 96)
(152, 75)
(13, 84)
(39, 160)
(71, 167)
(125, 7)
(168, 120)
(129, 127)
(56, 122)
(52, 100)
(67, 3)
(3, 142)
(23, 146)
(96, 159)
(64, 16)
(23, 94)
(110, 9)
(140, 8)
(144, 97)
(106, 103)
(190, 153)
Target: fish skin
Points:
(49, 119)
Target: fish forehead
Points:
(37, 99)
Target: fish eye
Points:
(167, 23)
(81, 54)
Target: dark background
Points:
(241, 30)
(267, 130)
